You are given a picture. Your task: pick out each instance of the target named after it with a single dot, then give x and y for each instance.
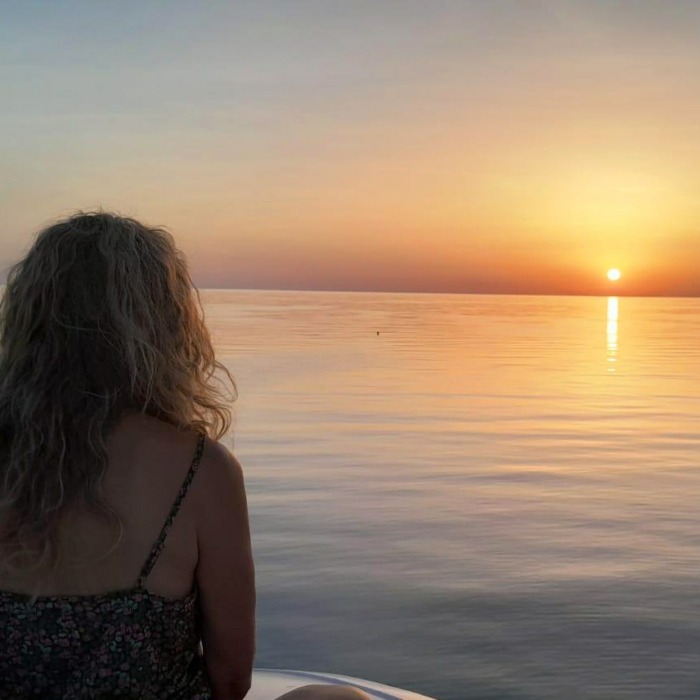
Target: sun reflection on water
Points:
(613, 315)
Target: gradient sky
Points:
(468, 146)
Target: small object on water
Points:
(269, 684)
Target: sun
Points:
(614, 274)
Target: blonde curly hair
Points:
(98, 319)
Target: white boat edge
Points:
(270, 683)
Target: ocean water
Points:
(473, 496)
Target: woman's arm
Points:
(225, 573)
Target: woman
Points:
(125, 557)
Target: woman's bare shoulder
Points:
(220, 476)
(146, 439)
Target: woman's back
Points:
(147, 464)
(130, 625)
(96, 630)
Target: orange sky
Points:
(459, 146)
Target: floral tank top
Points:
(124, 644)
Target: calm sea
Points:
(473, 496)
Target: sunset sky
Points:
(390, 145)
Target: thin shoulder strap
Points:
(160, 542)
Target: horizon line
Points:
(443, 293)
